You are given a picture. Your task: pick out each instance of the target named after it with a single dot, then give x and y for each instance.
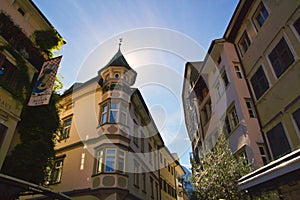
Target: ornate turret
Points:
(117, 72)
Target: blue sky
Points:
(158, 38)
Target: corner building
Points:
(109, 146)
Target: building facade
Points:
(20, 60)
(266, 36)
(109, 146)
(190, 103)
(222, 102)
(258, 62)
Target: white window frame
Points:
(136, 134)
(293, 27)
(275, 43)
(150, 153)
(238, 71)
(104, 112)
(152, 187)
(100, 161)
(265, 155)
(297, 129)
(251, 109)
(242, 153)
(3, 133)
(248, 43)
(114, 155)
(285, 132)
(144, 180)
(121, 109)
(233, 117)
(226, 125)
(251, 86)
(142, 143)
(136, 178)
(257, 12)
(224, 73)
(66, 128)
(102, 155)
(57, 169)
(219, 89)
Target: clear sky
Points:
(159, 36)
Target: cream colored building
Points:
(109, 146)
(266, 35)
(18, 21)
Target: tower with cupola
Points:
(117, 75)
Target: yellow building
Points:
(20, 59)
(170, 172)
(266, 35)
(109, 146)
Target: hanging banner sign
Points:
(42, 90)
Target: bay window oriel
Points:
(113, 112)
(110, 160)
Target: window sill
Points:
(110, 123)
(109, 173)
(233, 130)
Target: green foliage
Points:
(22, 76)
(48, 41)
(218, 174)
(30, 158)
(16, 37)
(58, 84)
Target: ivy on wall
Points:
(18, 40)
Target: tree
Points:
(37, 129)
(217, 175)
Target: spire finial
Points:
(121, 39)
